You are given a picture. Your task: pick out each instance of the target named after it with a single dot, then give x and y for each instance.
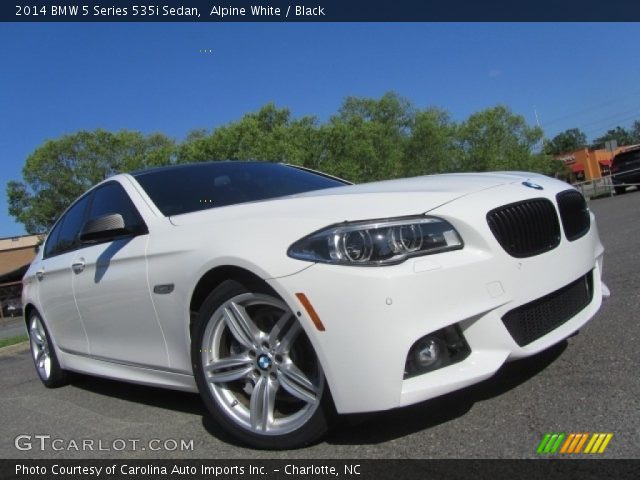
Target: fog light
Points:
(436, 350)
(429, 351)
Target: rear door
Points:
(55, 280)
(111, 288)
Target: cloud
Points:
(494, 72)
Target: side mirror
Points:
(103, 228)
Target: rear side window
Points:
(627, 157)
(112, 198)
(64, 237)
(50, 247)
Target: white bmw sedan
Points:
(284, 296)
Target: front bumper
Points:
(372, 316)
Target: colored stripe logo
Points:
(573, 443)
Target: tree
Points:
(433, 146)
(60, 170)
(619, 134)
(390, 110)
(365, 140)
(568, 141)
(269, 134)
(635, 132)
(497, 139)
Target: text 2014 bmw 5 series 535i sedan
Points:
(285, 296)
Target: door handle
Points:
(78, 266)
(40, 274)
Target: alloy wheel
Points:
(259, 365)
(40, 347)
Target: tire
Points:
(257, 371)
(620, 190)
(44, 354)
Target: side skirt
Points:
(140, 374)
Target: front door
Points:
(112, 292)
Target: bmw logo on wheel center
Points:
(532, 185)
(264, 362)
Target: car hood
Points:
(450, 186)
(257, 235)
(389, 198)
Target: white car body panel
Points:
(119, 272)
(458, 286)
(372, 315)
(58, 295)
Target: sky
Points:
(59, 78)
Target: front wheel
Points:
(257, 371)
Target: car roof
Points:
(631, 149)
(184, 166)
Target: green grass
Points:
(5, 342)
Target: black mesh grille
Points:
(574, 214)
(527, 228)
(535, 319)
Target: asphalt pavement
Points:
(589, 383)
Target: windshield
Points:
(188, 188)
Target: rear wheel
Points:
(620, 190)
(257, 371)
(44, 355)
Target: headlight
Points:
(377, 242)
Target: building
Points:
(16, 253)
(588, 165)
